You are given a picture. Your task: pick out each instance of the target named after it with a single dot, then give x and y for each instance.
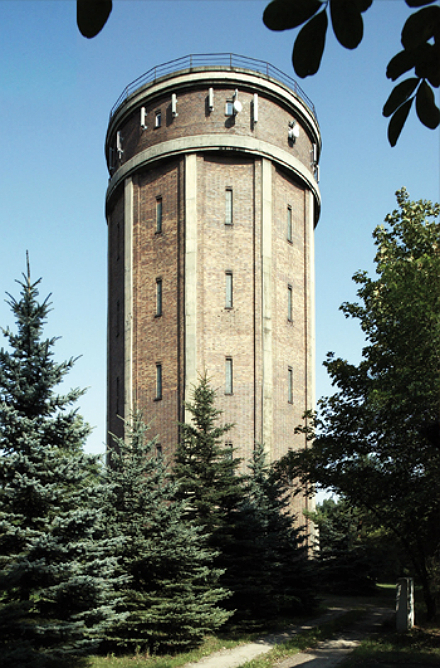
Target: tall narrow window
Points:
(229, 450)
(289, 303)
(158, 381)
(228, 289)
(228, 206)
(290, 385)
(158, 296)
(158, 119)
(159, 453)
(289, 223)
(228, 375)
(158, 214)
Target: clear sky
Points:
(56, 91)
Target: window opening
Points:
(289, 303)
(158, 296)
(228, 289)
(158, 381)
(290, 386)
(228, 375)
(228, 206)
(289, 223)
(159, 209)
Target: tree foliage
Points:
(56, 573)
(269, 572)
(420, 40)
(349, 556)
(205, 467)
(377, 437)
(171, 596)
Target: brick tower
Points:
(211, 207)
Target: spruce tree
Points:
(206, 471)
(270, 574)
(172, 596)
(205, 467)
(55, 576)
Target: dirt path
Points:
(326, 654)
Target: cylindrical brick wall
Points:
(211, 261)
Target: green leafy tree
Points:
(346, 565)
(420, 41)
(377, 438)
(55, 572)
(172, 594)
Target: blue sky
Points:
(56, 91)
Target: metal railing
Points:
(229, 61)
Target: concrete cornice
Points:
(216, 142)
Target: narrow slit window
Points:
(228, 289)
(159, 453)
(290, 385)
(158, 119)
(228, 375)
(289, 224)
(228, 206)
(158, 381)
(289, 303)
(159, 214)
(158, 296)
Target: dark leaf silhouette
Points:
(309, 46)
(398, 121)
(426, 109)
(285, 14)
(347, 22)
(92, 15)
(420, 27)
(428, 63)
(399, 94)
(419, 3)
(400, 63)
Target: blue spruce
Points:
(55, 574)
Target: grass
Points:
(210, 645)
(417, 647)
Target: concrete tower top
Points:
(211, 103)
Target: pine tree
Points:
(55, 574)
(171, 599)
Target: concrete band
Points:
(217, 142)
